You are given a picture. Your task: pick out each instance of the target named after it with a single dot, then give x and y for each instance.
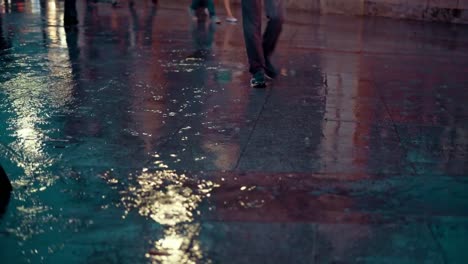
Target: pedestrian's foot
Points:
(192, 14)
(258, 80)
(216, 20)
(270, 72)
(231, 19)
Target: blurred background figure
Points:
(230, 17)
(6, 6)
(4, 42)
(204, 5)
(115, 2)
(203, 36)
(5, 190)
(132, 2)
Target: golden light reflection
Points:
(29, 148)
(55, 31)
(52, 11)
(29, 143)
(33, 101)
(179, 245)
(170, 199)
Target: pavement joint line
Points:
(400, 141)
(362, 52)
(293, 35)
(267, 97)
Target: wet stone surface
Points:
(135, 138)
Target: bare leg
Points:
(227, 6)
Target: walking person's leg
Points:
(70, 16)
(230, 17)
(212, 11)
(193, 9)
(274, 10)
(252, 24)
(195, 4)
(209, 6)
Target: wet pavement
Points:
(135, 138)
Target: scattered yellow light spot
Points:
(171, 199)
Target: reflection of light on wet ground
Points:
(170, 199)
(52, 12)
(35, 6)
(34, 94)
(179, 245)
(55, 31)
(29, 144)
(28, 137)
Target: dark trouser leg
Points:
(275, 13)
(195, 4)
(252, 23)
(211, 7)
(70, 14)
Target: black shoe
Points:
(258, 80)
(270, 71)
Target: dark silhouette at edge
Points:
(70, 15)
(5, 191)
